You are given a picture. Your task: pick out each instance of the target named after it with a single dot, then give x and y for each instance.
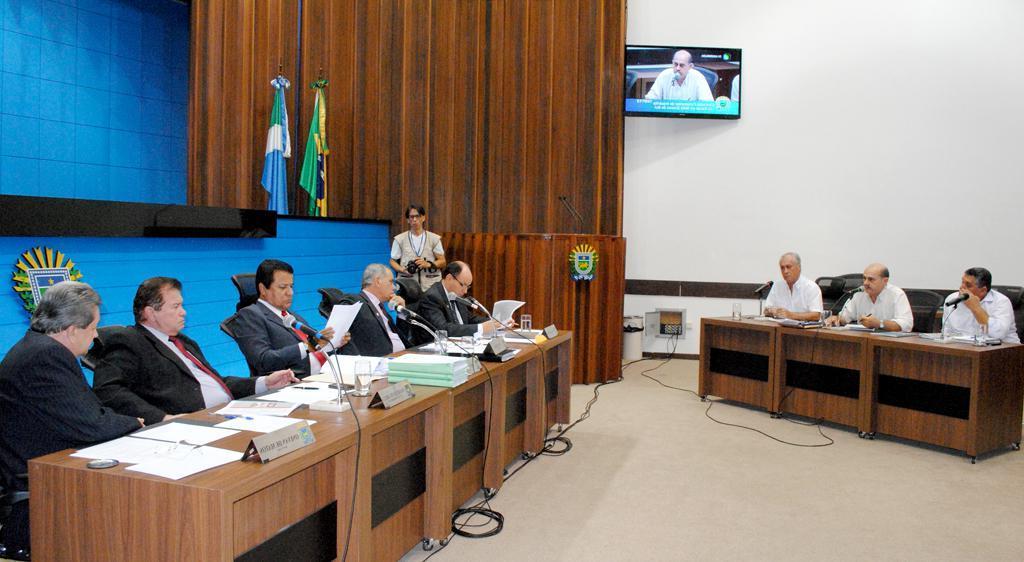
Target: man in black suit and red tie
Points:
(153, 371)
(45, 403)
(265, 330)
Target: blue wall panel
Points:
(94, 99)
(323, 253)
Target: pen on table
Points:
(306, 387)
(233, 416)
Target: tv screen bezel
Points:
(627, 113)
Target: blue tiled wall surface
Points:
(94, 99)
(323, 253)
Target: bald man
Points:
(797, 297)
(880, 306)
(679, 83)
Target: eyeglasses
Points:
(465, 286)
(414, 217)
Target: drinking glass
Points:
(526, 322)
(737, 311)
(825, 315)
(442, 342)
(981, 337)
(363, 375)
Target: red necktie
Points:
(181, 347)
(305, 339)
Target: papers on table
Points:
(257, 408)
(503, 310)
(171, 450)
(431, 370)
(342, 316)
(305, 392)
(858, 328)
(185, 461)
(261, 424)
(346, 364)
(184, 432)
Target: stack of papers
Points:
(346, 364)
(303, 393)
(429, 370)
(257, 408)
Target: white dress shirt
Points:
(458, 315)
(1000, 318)
(891, 304)
(694, 87)
(213, 392)
(805, 296)
(396, 341)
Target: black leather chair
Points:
(329, 296)
(832, 289)
(1016, 296)
(710, 75)
(8, 499)
(409, 289)
(227, 325)
(246, 285)
(852, 280)
(924, 304)
(91, 359)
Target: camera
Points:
(412, 267)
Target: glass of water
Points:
(737, 311)
(442, 342)
(363, 376)
(825, 315)
(981, 336)
(526, 322)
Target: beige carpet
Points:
(649, 477)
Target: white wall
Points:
(862, 123)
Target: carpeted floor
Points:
(650, 477)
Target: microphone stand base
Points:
(330, 406)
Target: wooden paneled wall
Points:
(485, 111)
(535, 268)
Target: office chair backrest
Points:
(247, 292)
(92, 359)
(852, 280)
(631, 77)
(924, 304)
(228, 327)
(329, 296)
(831, 290)
(710, 75)
(410, 290)
(1016, 296)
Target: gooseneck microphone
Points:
(470, 302)
(767, 285)
(308, 331)
(957, 299)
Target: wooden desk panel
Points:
(749, 337)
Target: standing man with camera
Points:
(416, 253)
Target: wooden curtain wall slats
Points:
(535, 268)
(485, 111)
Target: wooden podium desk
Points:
(948, 394)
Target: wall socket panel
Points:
(665, 323)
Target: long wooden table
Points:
(953, 395)
(416, 463)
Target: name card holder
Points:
(392, 394)
(550, 332)
(270, 446)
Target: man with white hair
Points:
(45, 403)
(797, 297)
(373, 331)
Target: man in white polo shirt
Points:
(879, 306)
(977, 304)
(797, 297)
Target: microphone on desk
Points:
(765, 287)
(313, 334)
(958, 299)
(406, 313)
(470, 302)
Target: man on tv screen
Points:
(679, 83)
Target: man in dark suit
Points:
(265, 332)
(45, 403)
(373, 330)
(439, 307)
(151, 370)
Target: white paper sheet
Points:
(347, 365)
(189, 433)
(503, 310)
(342, 316)
(187, 461)
(305, 392)
(260, 424)
(257, 408)
(125, 449)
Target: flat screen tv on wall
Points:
(680, 81)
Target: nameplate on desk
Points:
(269, 446)
(392, 394)
(550, 332)
(496, 346)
